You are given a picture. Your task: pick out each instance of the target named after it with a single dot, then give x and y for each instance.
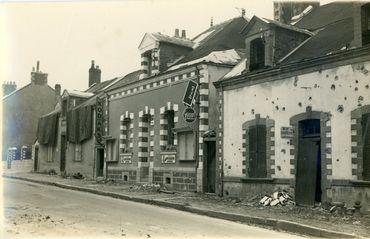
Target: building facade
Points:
(147, 138)
(21, 110)
(300, 122)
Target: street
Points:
(33, 210)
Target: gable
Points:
(147, 43)
(256, 25)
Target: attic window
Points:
(257, 54)
(365, 19)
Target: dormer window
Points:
(257, 54)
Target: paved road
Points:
(33, 210)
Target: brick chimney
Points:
(177, 32)
(94, 74)
(57, 90)
(183, 34)
(9, 87)
(37, 77)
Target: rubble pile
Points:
(277, 198)
(151, 187)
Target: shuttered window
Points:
(170, 126)
(257, 54)
(366, 146)
(185, 145)
(257, 151)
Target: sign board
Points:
(99, 120)
(189, 115)
(190, 93)
(125, 158)
(168, 158)
(286, 132)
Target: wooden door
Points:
(36, 160)
(63, 153)
(366, 146)
(211, 166)
(308, 185)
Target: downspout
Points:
(196, 131)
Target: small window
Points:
(186, 145)
(111, 152)
(50, 154)
(78, 152)
(365, 22)
(257, 54)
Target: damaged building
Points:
(296, 114)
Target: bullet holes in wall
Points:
(340, 108)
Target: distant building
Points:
(21, 110)
(296, 114)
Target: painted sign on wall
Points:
(286, 132)
(99, 120)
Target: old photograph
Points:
(185, 119)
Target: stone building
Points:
(147, 138)
(21, 110)
(295, 116)
(68, 141)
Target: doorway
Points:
(63, 153)
(36, 160)
(100, 162)
(210, 166)
(308, 189)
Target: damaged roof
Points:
(173, 40)
(327, 14)
(224, 36)
(126, 80)
(95, 88)
(335, 37)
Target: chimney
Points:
(211, 25)
(57, 89)
(9, 87)
(177, 33)
(243, 12)
(94, 74)
(183, 34)
(37, 77)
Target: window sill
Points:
(360, 183)
(168, 152)
(187, 160)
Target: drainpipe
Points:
(196, 131)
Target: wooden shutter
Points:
(257, 151)
(189, 146)
(170, 126)
(182, 145)
(366, 146)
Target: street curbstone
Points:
(275, 224)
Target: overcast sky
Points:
(66, 36)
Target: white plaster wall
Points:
(263, 99)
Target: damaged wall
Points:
(337, 91)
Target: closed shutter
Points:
(257, 151)
(366, 147)
(189, 146)
(182, 146)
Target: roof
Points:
(22, 88)
(237, 70)
(80, 94)
(221, 37)
(227, 57)
(286, 26)
(95, 88)
(334, 37)
(126, 80)
(173, 40)
(327, 14)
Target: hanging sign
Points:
(189, 115)
(190, 93)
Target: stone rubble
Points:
(277, 198)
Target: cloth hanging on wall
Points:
(79, 124)
(47, 129)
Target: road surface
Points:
(38, 211)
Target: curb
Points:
(279, 225)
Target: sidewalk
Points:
(307, 221)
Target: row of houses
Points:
(279, 105)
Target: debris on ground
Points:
(277, 198)
(78, 175)
(151, 187)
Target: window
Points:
(170, 126)
(50, 154)
(365, 122)
(111, 151)
(257, 151)
(186, 145)
(78, 152)
(257, 54)
(148, 63)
